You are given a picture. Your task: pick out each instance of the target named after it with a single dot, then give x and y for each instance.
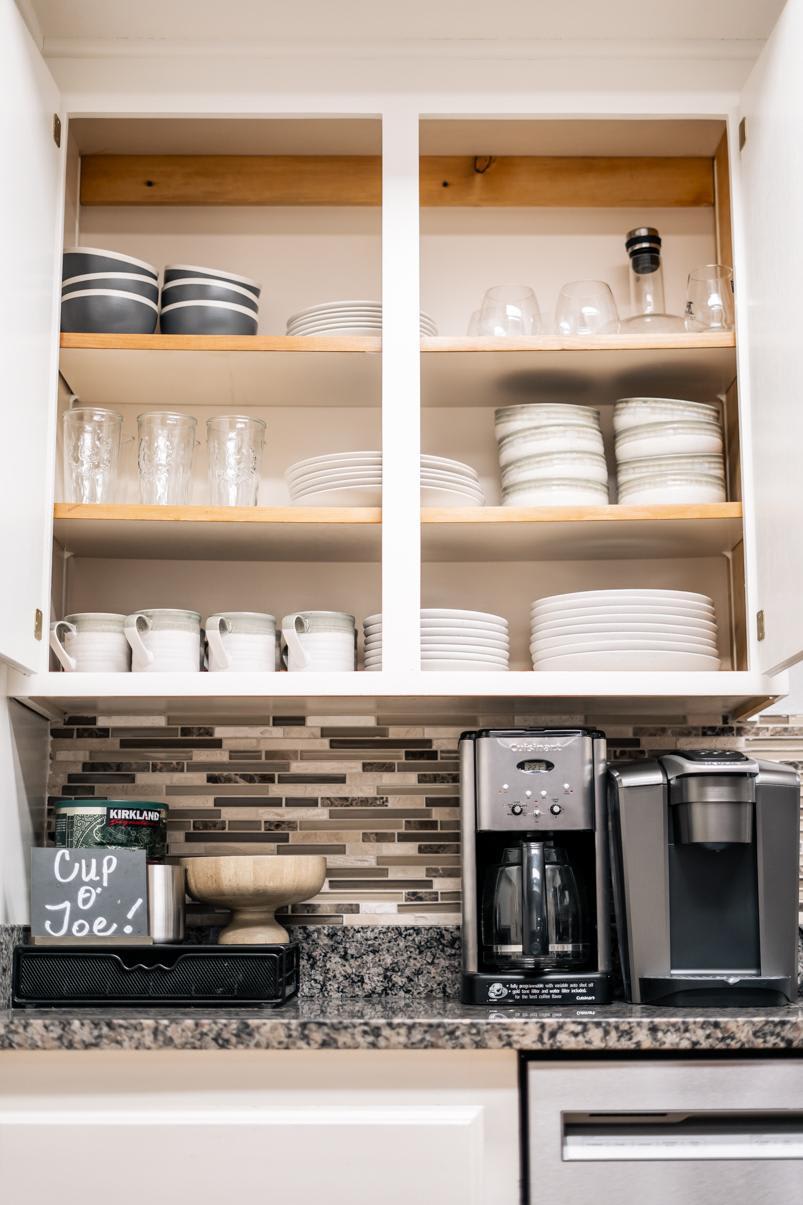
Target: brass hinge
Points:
(57, 129)
(38, 621)
(760, 631)
(742, 133)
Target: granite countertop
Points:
(404, 1023)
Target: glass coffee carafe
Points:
(532, 912)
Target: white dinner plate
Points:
(440, 613)
(348, 303)
(639, 595)
(453, 665)
(551, 648)
(490, 646)
(626, 628)
(448, 629)
(355, 495)
(440, 496)
(613, 661)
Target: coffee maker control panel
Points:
(531, 781)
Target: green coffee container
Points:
(119, 823)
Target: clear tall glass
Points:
(235, 446)
(91, 453)
(709, 299)
(586, 307)
(164, 458)
(509, 310)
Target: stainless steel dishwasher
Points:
(679, 1132)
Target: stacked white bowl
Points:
(346, 318)
(106, 292)
(355, 479)
(551, 454)
(668, 450)
(450, 640)
(206, 301)
(624, 630)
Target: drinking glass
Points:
(166, 445)
(509, 310)
(91, 452)
(586, 307)
(473, 327)
(235, 451)
(709, 298)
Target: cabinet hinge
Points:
(742, 133)
(760, 631)
(57, 129)
(38, 620)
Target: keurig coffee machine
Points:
(705, 849)
(535, 867)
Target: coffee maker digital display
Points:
(535, 870)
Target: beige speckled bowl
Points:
(253, 887)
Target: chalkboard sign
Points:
(89, 894)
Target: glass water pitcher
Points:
(532, 913)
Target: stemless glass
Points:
(166, 445)
(509, 310)
(235, 451)
(586, 307)
(91, 453)
(709, 299)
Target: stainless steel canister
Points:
(166, 891)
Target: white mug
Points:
(91, 643)
(241, 642)
(319, 641)
(164, 641)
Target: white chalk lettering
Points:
(63, 856)
(86, 897)
(89, 871)
(54, 908)
(80, 928)
(102, 928)
(109, 867)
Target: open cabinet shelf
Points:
(296, 533)
(419, 696)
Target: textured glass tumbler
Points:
(235, 453)
(166, 445)
(586, 307)
(508, 311)
(91, 453)
(709, 299)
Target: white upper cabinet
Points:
(31, 207)
(771, 164)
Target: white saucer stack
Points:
(551, 454)
(668, 450)
(624, 630)
(346, 318)
(450, 640)
(355, 479)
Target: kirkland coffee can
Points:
(121, 823)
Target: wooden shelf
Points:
(288, 533)
(514, 533)
(281, 370)
(213, 370)
(412, 696)
(490, 533)
(502, 372)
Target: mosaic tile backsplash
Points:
(380, 801)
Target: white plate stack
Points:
(624, 630)
(668, 450)
(355, 479)
(551, 454)
(346, 318)
(450, 640)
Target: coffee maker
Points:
(705, 849)
(536, 911)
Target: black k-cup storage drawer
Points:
(129, 975)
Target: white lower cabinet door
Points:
(665, 1133)
(292, 1128)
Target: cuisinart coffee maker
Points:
(705, 848)
(535, 867)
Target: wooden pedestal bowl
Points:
(253, 887)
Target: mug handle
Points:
(290, 637)
(134, 636)
(214, 625)
(69, 663)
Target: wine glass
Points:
(509, 310)
(586, 307)
(709, 299)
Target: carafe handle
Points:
(534, 931)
